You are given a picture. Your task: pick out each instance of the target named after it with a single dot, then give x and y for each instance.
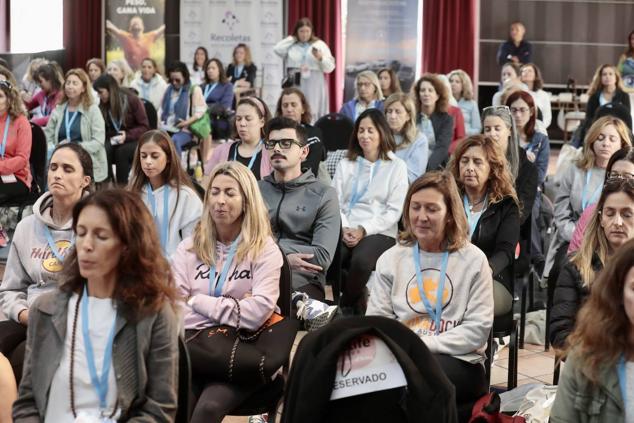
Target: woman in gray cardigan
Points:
(78, 119)
(105, 346)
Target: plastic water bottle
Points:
(198, 172)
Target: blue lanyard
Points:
(255, 154)
(209, 88)
(51, 244)
(100, 383)
(620, 371)
(115, 124)
(439, 291)
(472, 218)
(5, 136)
(145, 90)
(69, 124)
(162, 227)
(585, 202)
(355, 196)
(237, 71)
(220, 283)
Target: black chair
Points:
(337, 129)
(150, 111)
(267, 398)
(505, 325)
(37, 162)
(183, 412)
(334, 273)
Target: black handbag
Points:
(228, 354)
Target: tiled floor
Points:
(535, 366)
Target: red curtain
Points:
(326, 18)
(449, 36)
(82, 31)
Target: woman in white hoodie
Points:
(371, 183)
(165, 189)
(150, 84)
(40, 243)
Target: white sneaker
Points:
(315, 314)
(260, 418)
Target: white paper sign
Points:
(366, 366)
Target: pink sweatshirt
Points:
(221, 155)
(18, 149)
(580, 229)
(258, 278)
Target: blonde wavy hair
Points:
(597, 86)
(256, 227)
(586, 161)
(86, 96)
(467, 85)
(500, 183)
(409, 130)
(456, 232)
(14, 101)
(374, 80)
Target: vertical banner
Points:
(382, 34)
(135, 29)
(219, 25)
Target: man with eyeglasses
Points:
(304, 214)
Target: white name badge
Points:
(9, 179)
(366, 366)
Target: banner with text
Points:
(219, 25)
(382, 34)
(135, 30)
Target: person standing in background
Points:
(515, 49)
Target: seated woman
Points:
(509, 80)
(611, 226)
(150, 84)
(40, 243)
(15, 149)
(389, 82)
(125, 120)
(581, 183)
(234, 233)
(432, 101)
(165, 189)
(251, 116)
(116, 306)
(182, 105)
(371, 183)
(498, 124)
(197, 69)
(606, 87)
(434, 259)
(462, 91)
(492, 210)
(532, 77)
(95, 68)
(292, 104)
(77, 119)
(121, 71)
(411, 144)
(50, 83)
(217, 90)
(241, 71)
(620, 166)
(595, 382)
(367, 95)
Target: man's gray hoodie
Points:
(305, 218)
(31, 268)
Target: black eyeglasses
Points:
(285, 143)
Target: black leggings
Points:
(360, 262)
(12, 190)
(12, 344)
(121, 155)
(468, 378)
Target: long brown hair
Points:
(173, 174)
(442, 104)
(302, 22)
(247, 54)
(395, 84)
(386, 139)
(594, 239)
(597, 86)
(603, 328)
(587, 159)
(144, 280)
(306, 116)
(222, 75)
(15, 106)
(500, 183)
(456, 232)
(529, 128)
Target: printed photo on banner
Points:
(135, 29)
(385, 35)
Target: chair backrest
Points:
(286, 276)
(38, 156)
(184, 383)
(151, 113)
(337, 129)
